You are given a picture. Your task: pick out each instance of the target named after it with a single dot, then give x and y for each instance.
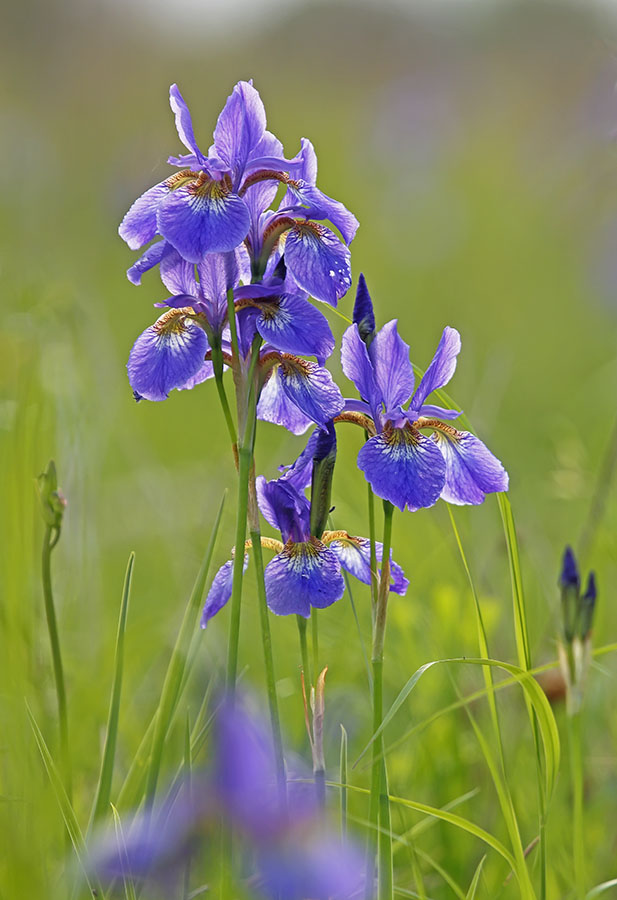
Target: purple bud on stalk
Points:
(324, 459)
(587, 608)
(363, 314)
(570, 584)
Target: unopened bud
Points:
(324, 459)
(587, 608)
(363, 314)
(53, 502)
(570, 584)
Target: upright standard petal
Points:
(358, 367)
(139, 224)
(441, 368)
(167, 355)
(472, 471)
(177, 274)
(218, 273)
(318, 261)
(203, 217)
(354, 554)
(291, 324)
(240, 128)
(300, 472)
(220, 591)
(402, 466)
(393, 371)
(311, 388)
(285, 508)
(184, 123)
(276, 407)
(303, 575)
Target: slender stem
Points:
(264, 618)
(576, 775)
(315, 640)
(217, 364)
(50, 540)
(379, 812)
(244, 468)
(308, 675)
(373, 550)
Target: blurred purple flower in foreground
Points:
(291, 853)
(401, 464)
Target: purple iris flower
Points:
(291, 853)
(221, 199)
(401, 464)
(174, 351)
(307, 569)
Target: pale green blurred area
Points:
(477, 151)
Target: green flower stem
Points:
(379, 812)
(217, 363)
(577, 779)
(50, 540)
(306, 667)
(373, 550)
(264, 618)
(315, 640)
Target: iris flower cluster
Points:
(220, 246)
(306, 571)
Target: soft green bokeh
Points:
(476, 152)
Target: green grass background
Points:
(476, 150)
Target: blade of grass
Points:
(177, 663)
(449, 880)
(103, 791)
(445, 816)
(601, 888)
(475, 881)
(129, 887)
(343, 779)
(537, 697)
(66, 809)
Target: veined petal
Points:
(291, 324)
(354, 554)
(139, 224)
(276, 407)
(393, 371)
(177, 273)
(206, 371)
(358, 367)
(363, 312)
(471, 469)
(401, 466)
(311, 388)
(318, 261)
(220, 591)
(184, 123)
(167, 355)
(436, 412)
(218, 273)
(240, 128)
(147, 261)
(303, 575)
(300, 472)
(200, 218)
(285, 508)
(441, 368)
(319, 206)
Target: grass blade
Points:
(475, 881)
(66, 809)
(343, 780)
(129, 887)
(103, 791)
(177, 664)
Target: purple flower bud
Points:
(587, 607)
(363, 314)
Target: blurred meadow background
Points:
(475, 143)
